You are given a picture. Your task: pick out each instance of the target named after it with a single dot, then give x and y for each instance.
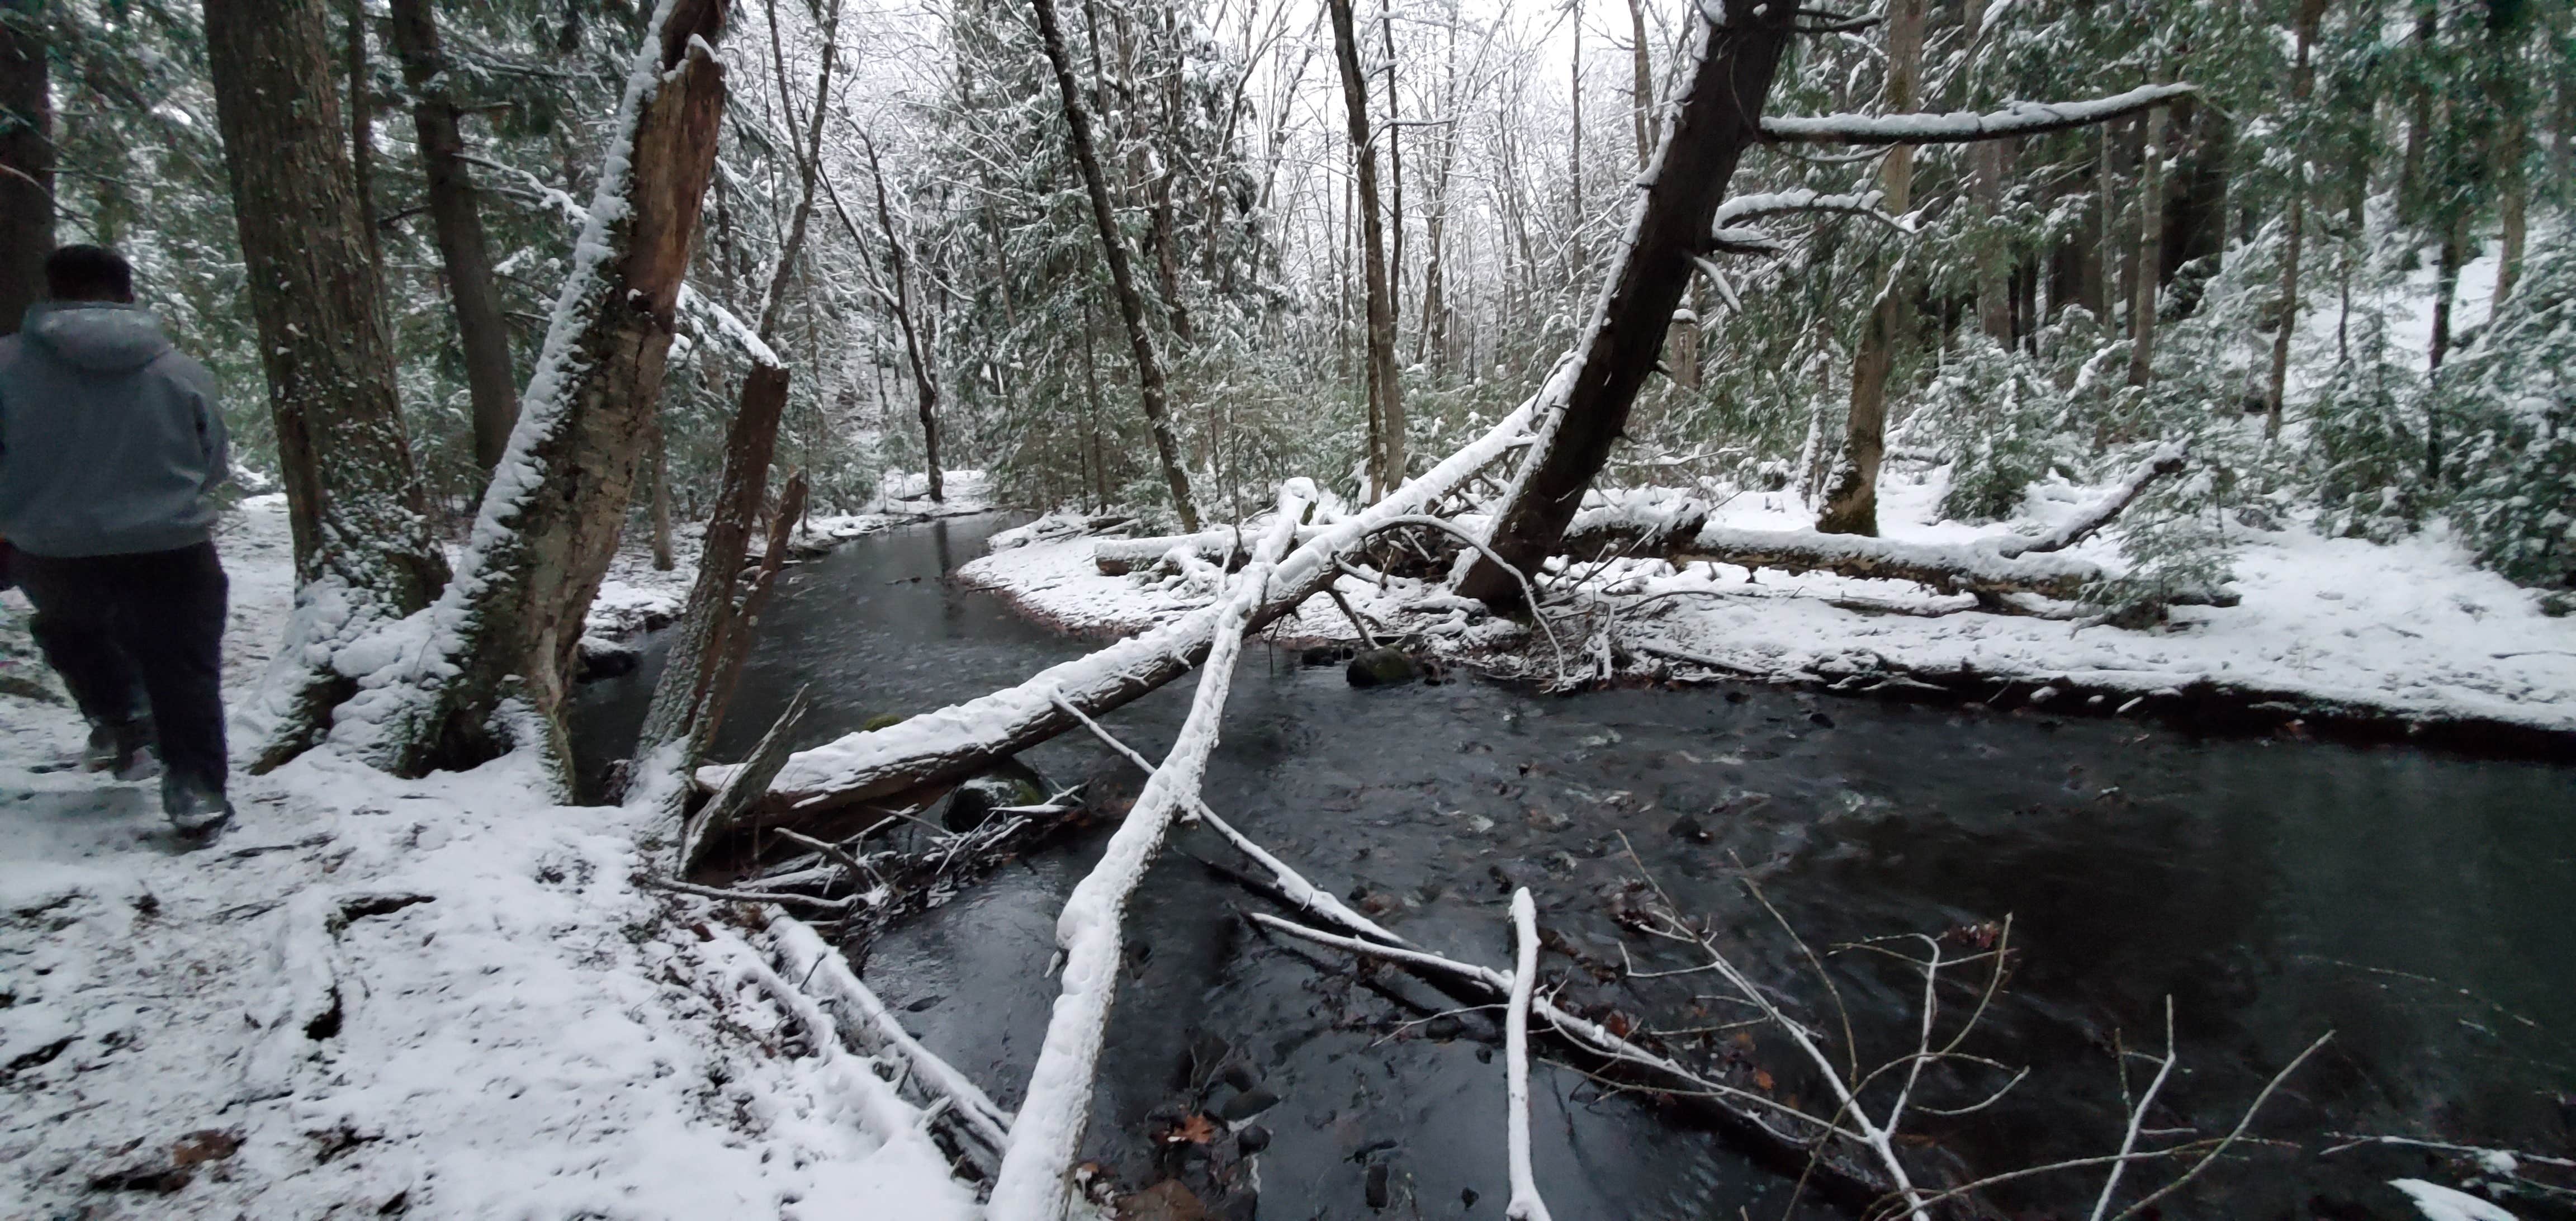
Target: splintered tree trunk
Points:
(483, 335)
(26, 172)
(363, 552)
(1851, 507)
(503, 638)
(687, 692)
(1122, 277)
(1386, 394)
(1717, 117)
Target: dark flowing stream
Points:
(2421, 906)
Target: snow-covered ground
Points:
(380, 997)
(2412, 631)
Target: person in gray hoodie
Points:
(111, 448)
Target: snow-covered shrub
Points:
(2366, 442)
(2001, 422)
(2512, 400)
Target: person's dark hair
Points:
(88, 273)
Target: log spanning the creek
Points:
(961, 739)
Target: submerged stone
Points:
(1382, 668)
(1008, 783)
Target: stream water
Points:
(2422, 907)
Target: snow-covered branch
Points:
(1742, 208)
(1525, 1203)
(1961, 127)
(1035, 1177)
(2167, 459)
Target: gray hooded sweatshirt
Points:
(111, 441)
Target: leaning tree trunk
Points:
(363, 552)
(925, 386)
(503, 638)
(483, 335)
(1716, 119)
(1851, 507)
(1386, 394)
(26, 169)
(1122, 277)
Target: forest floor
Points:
(375, 997)
(2402, 637)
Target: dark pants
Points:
(116, 625)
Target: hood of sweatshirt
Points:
(100, 336)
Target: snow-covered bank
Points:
(2408, 634)
(384, 997)
(638, 597)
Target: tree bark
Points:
(355, 504)
(663, 558)
(2151, 237)
(2302, 82)
(1715, 120)
(1851, 507)
(1642, 88)
(483, 334)
(26, 169)
(362, 133)
(1386, 393)
(925, 386)
(1122, 278)
(506, 634)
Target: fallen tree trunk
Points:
(958, 740)
(1228, 547)
(1987, 567)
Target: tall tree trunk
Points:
(809, 165)
(1574, 153)
(1122, 278)
(1642, 89)
(925, 385)
(2151, 237)
(2509, 106)
(1716, 118)
(1394, 133)
(1851, 507)
(1433, 343)
(507, 632)
(483, 334)
(362, 132)
(26, 172)
(363, 552)
(2302, 84)
(1386, 394)
(664, 560)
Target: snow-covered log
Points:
(2167, 460)
(1742, 208)
(1728, 68)
(865, 1021)
(1035, 1182)
(1227, 546)
(956, 741)
(1680, 536)
(504, 633)
(1525, 1203)
(1961, 127)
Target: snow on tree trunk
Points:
(1385, 391)
(1035, 1180)
(483, 335)
(1122, 277)
(1715, 120)
(363, 553)
(1851, 506)
(484, 669)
